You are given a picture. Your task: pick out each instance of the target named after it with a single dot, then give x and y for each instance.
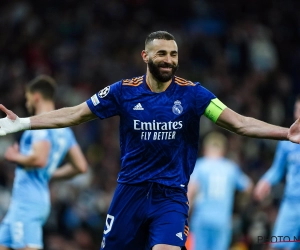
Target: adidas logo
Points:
(179, 235)
(138, 107)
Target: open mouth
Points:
(166, 68)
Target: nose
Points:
(168, 59)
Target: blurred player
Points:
(39, 155)
(211, 194)
(286, 163)
(159, 132)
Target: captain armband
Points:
(214, 109)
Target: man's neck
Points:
(155, 85)
(45, 107)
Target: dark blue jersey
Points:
(159, 132)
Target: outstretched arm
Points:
(64, 117)
(251, 127)
(59, 118)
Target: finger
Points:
(4, 109)
(11, 115)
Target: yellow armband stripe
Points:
(214, 109)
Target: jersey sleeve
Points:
(203, 98)
(106, 102)
(242, 180)
(70, 138)
(40, 135)
(277, 170)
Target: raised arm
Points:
(64, 117)
(251, 127)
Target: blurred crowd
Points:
(246, 52)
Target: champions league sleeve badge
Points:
(103, 92)
(177, 108)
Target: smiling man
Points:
(162, 59)
(159, 134)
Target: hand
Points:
(12, 123)
(294, 132)
(12, 152)
(10, 115)
(261, 190)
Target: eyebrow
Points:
(164, 51)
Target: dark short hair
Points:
(43, 84)
(159, 35)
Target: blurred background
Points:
(245, 52)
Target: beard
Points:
(162, 76)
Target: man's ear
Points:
(36, 97)
(145, 56)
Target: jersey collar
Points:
(148, 88)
